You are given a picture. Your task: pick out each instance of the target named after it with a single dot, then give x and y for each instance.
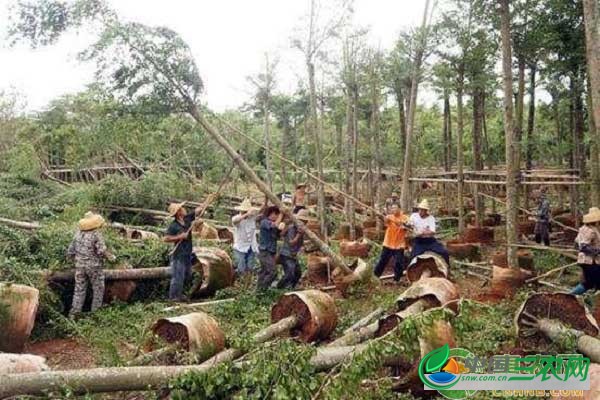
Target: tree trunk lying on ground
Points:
(136, 274)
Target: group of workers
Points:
(88, 249)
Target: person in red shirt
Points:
(394, 242)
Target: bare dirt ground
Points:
(64, 353)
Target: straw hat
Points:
(174, 207)
(91, 221)
(304, 215)
(301, 185)
(394, 194)
(423, 205)
(245, 206)
(592, 216)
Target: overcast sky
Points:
(228, 38)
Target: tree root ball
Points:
(355, 249)
(196, 332)
(18, 309)
(318, 269)
(119, 290)
(216, 269)
(482, 235)
(435, 292)
(225, 234)
(463, 251)
(506, 281)
(564, 307)
(427, 265)
(316, 312)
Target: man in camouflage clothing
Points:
(89, 251)
(542, 225)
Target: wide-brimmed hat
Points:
(394, 194)
(91, 221)
(423, 205)
(301, 185)
(174, 207)
(245, 206)
(304, 215)
(592, 216)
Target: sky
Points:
(229, 39)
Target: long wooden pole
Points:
(337, 261)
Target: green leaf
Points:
(437, 358)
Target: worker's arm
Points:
(296, 238)
(71, 251)
(101, 249)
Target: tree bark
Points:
(459, 147)
(512, 143)
(520, 103)
(531, 117)
(375, 94)
(592, 37)
(477, 150)
(401, 121)
(354, 158)
(416, 74)
(267, 121)
(317, 139)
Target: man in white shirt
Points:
(245, 245)
(424, 228)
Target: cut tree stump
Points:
(197, 332)
(463, 251)
(526, 228)
(318, 267)
(315, 310)
(422, 295)
(355, 249)
(18, 309)
(506, 281)
(483, 235)
(119, 290)
(427, 265)
(21, 364)
(563, 307)
(216, 269)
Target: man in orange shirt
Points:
(393, 243)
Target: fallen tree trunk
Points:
(589, 346)
(136, 274)
(124, 379)
(337, 261)
(18, 310)
(20, 224)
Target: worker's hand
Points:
(111, 257)
(281, 226)
(182, 236)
